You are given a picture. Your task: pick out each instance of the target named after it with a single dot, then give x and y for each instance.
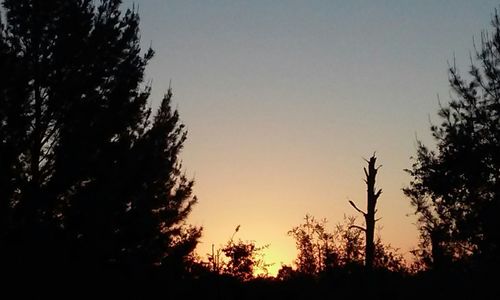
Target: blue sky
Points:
(283, 99)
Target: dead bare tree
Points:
(371, 202)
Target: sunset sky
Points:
(283, 99)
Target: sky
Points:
(284, 99)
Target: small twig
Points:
(235, 231)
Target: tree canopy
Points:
(89, 175)
(456, 184)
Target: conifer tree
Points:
(89, 176)
(455, 187)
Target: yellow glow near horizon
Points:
(280, 202)
(282, 100)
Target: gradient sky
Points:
(283, 99)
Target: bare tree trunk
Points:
(372, 197)
(371, 202)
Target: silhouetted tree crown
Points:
(241, 260)
(321, 251)
(88, 175)
(456, 186)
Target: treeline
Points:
(92, 188)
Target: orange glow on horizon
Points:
(283, 100)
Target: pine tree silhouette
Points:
(90, 179)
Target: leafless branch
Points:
(357, 227)
(356, 208)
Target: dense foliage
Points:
(89, 178)
(456, 185)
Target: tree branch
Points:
(357, 227)
(356, 208)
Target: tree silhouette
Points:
(369, 215)
(350, 243)
(88, 176)
(315, 245)
(322, 251)
(244, 259)
(455, 188)
(241, 259)
(388, 258)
